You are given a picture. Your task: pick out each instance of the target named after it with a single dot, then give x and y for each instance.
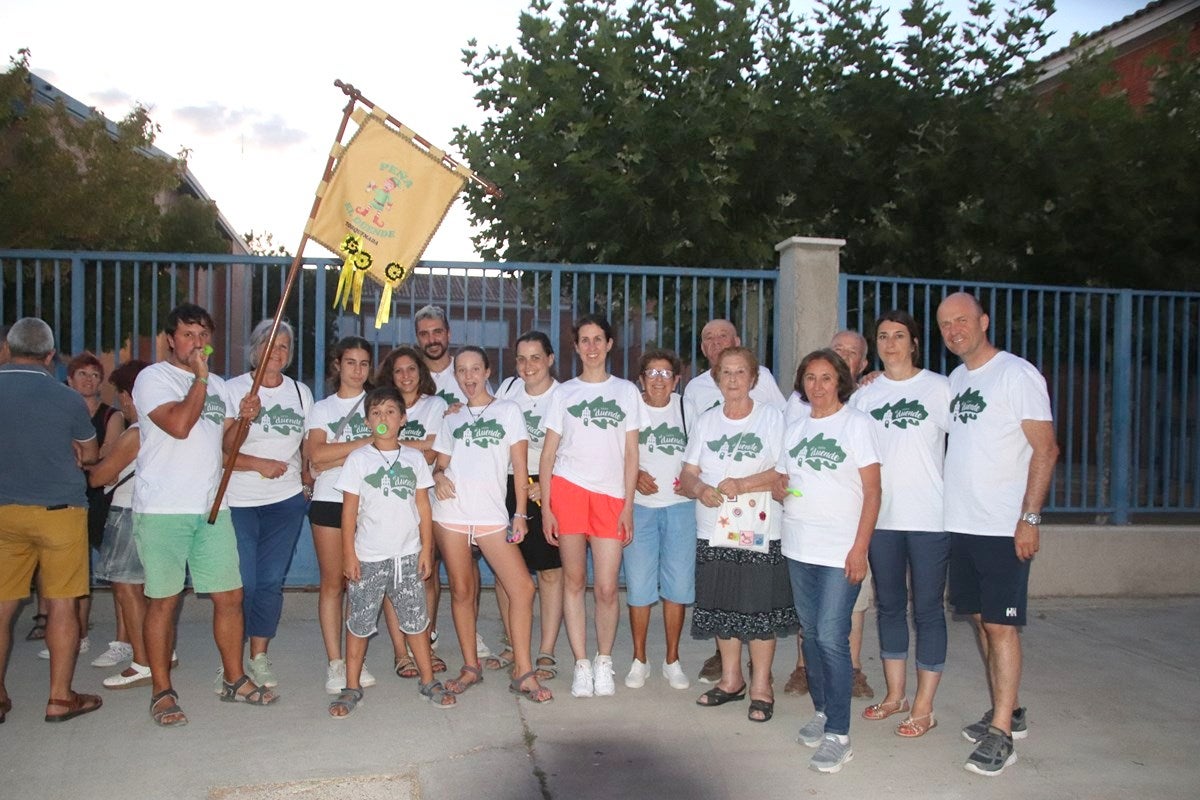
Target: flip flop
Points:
(719, 697)
(76, 705)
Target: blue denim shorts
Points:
(661, 559)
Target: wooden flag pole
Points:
(243, 425)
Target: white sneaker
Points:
(85, 644)
(638, 672)
(261, 672)
(117, 653)
(365, 679)
(582, 685)
(604, 685)
(335, 676)
(133, 675)
(481, 649)
(673, 672)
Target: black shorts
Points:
(323, 512)
(539, 554)
(988, 579)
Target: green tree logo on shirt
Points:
(533, 427)
(352, 427)
(280, 419)
(480, 433)
(413, 431)
(663, 439)
(739, 447)
(214, 409)
(598, 412)
(902, 413)
(818, 453)
(967, 406)
(450, 397)
(394, 480)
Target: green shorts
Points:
(171, 545)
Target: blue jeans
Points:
(266, 539)
(926, 553)
(661, 559)
(824, 601)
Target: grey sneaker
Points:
(831, 755)
(994, 753)
(261, 672)
(977, 730)
(812, 733)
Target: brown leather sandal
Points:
(77, 705)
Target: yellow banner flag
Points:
(383, 204)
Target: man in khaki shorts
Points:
(45, 435)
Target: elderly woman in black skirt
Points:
(743, 593)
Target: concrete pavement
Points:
(1110, 684)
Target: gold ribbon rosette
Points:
(384, 202)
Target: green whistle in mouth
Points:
(208, 350)
(381, 429)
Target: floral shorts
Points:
(396, 579)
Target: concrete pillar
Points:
(806, 300)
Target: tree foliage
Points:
(71, 184)
(701, 132)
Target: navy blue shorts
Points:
(988, 579)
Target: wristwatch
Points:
(1030, 518)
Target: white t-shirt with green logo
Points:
(661, 444)
(447, 385)
(987, 458)
(328, 415)
(534, 410)
(910, 418)
(386, 483)
(593, 420)
(733, 448)
(276, 433)
(423, 418)
(821, 458)
(178, 476)
(702, 393)
(478, 443)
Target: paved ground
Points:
(1111, 688)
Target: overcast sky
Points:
(247, 87)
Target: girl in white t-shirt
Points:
(475, 447)
(909, 408)
(405, 369)
(336, 428)
(588, 476)
(531, 389)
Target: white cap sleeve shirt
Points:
(178, 476)
(987, 456)
(661, 444)
(423, 419)
(822, 458)
(534, 411)
(276, 433)
(593, 420)
(479, 443)
(733, 448)
(910, 419)
(343, 420)
(388, 524)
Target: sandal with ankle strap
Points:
(159, 715)
(913, 727)
(884, 710)
(439, 696)
(547, 666)
(258, 696)
(77, 704)
(458, 686)
(538, 694)
(348, 699)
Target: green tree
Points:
(698, 133)
(71, 184)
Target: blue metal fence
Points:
(1122, 366)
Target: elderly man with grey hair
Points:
(45, 435)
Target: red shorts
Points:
(582, 512)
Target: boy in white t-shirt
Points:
(387, 541)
